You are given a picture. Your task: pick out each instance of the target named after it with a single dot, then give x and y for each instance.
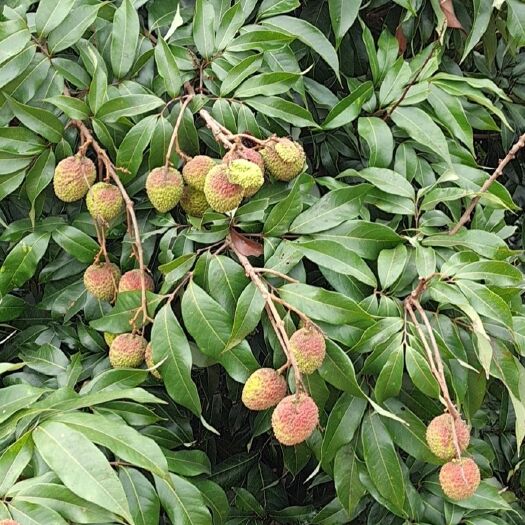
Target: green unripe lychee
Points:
(127, 351)
(283, 159)
(194, 171)
(150, 363)
(104, 202)
(131, 282)
(73, 177)
(221, 194)
(440, 437)
(263, 389)
(101, 280)
(294, 419)
(309, 349)
(459, 479)
(247, 175)
(109, 337)
(193, 202)
(164, 188)
(245, 153)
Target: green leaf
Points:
(388, 383)
(15, 66)
(283, 109)
(283, 213)
(240, 72)
(189, 462)
(182, 501)
(171, 347)
(231, 21)
(76, 243)
(419, 371)
(482, 12)
(51, 14)
(41, 121)
(276, 7)
(40, 175)
(386, 180)
(498, 273)
(22, 261)
(72, 107)
(11, 307)
(124, 38)
(81, 466)
(331, 210)
(343, 14)
(14, 36)
(98, 88)
(419, 126)
(143, 500)
(348, 486)
(31, 514)
(124, 441)
(425, 261)
(309, 35)
(390, 265)
(378, 137)
(336, 257)
(323, 305)
(13, 461)
(72, 28)
(348, 109)
(168, 68)
(393, 85)
(267, 84)
(382, 461)
(128, 106)
(203, 28)
(247, 314)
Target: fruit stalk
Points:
(133, 227)
(174, 141)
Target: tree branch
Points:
(498, 171)
(174, 141)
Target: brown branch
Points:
(273, 314)
(133, 227)
(497, 172)
(276, 274)
(174, 141)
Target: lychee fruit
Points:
(101, 280)
(294, 419)
(263, 389)
(164, 188)
(150, 363)
(440, 439)
(109, 337)
(221, 194)
(9, 522)
(283, 159)
(73, 177)
(308, 346)
(246, 174)
(104, 202)
(193, 202)
(244, 153)
(194, 171)
(459, 478)
(127, 351)
(131, 282)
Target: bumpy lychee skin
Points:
(283, 159)
(109, 337)
(9, 522)
(294, 419)
(73, 177)
(221, 194)
(309, 349)
(194, 171)
(246, 174)
(101, 280)
(193, 202)
(263, 389)
(459, 479)
(104, 202)
(440, 438)
(131, 282)
(164, 188)
(150, 363)
(245, 153)
(127, 351)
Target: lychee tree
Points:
(261, 262)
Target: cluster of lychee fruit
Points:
(295, 416)
(459, 477)
(222, 184)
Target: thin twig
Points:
(277, 274)
(133, 227)
(174, 141)
(497, 172)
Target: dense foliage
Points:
(404, 109)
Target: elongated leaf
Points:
(240, 72)
(390, 264)
(282, 215)
(267, 84)
(76, 243)
(81, 466)
(143, 500)
(343, 14)
(124, 38)
(349, 108)
(170, 345)
(13, 462)
(50, 14)
(40, 175)
(231, 21)
(379, 139)
(72, 107)
(283, 109)
(168, 68)
(127, 106)
(482, 12)
(203, 30)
